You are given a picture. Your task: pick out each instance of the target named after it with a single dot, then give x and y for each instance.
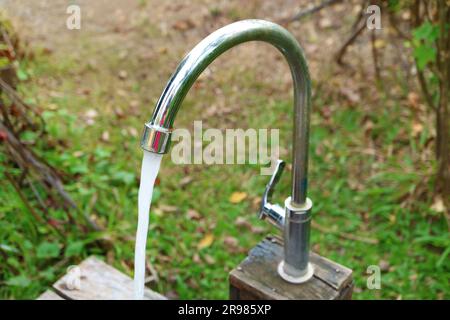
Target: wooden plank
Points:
(49, 295)
(99, 281)
(257, 278)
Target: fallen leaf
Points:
(257, 230)
(196, 258)
(105, 136)
(417, 128)
(413, 99)
(384, 265)
(438, 205)
(119, 113)
(192, 283)
(184, 25)
(123, 74)
(185, 181)
(206, 241)
(209, 259)
(133, 132)
(231, 241)
(134, 103)
(379, 44)
(325, 23)
(162, 50)
(351, 95)
(3, 135)
(237, 197)
(241, 222)
(122, 93)
(193, 214)
(167, 208)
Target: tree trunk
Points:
(442, 112)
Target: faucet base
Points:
(296, 279)
(256, 276)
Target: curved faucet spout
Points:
(156, 136)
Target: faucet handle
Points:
(274, 212)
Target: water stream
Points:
(150, 167)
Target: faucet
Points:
(294, 219)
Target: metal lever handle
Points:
(274, 212)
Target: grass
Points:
(362, 166)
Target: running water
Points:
(149, 171)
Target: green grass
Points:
(358, 182)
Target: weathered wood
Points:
(257, 278)
(98, 281)
(49, 295)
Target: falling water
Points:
(149, 171)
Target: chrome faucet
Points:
(295, 217)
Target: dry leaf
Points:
(241, 222)
(105, 136)
(184, 25)
(123, 74)
(231, 241)
(209, 259)
(384, 265)
(413, 99)
(256, 202)
(185, 181)
(90, 116)
(206, 241)
(196, 258)
(417, 128)
(237, 197)
(133, 132)
(193, 214)
(379, 44)
(167, 208)
(325, 23)
(257, 230)
(438, 205)
(351, 95)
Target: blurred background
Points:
(73, 103)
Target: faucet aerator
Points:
(155, 139)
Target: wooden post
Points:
(98, 281)
(257, 278)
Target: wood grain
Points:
(49, 295)
(99, 281)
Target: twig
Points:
(14, 97)
(23, 198)
(344, 235)
(8, 42)
(394, 24)
(424, 86)
(26, 158)
(357, 28)
(373, 39)
(313, 9)
(347, 43)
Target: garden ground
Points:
(371, 159)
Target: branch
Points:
(311, 10)
(349, 41)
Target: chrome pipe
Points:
(156, 136)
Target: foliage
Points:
(369, 179)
